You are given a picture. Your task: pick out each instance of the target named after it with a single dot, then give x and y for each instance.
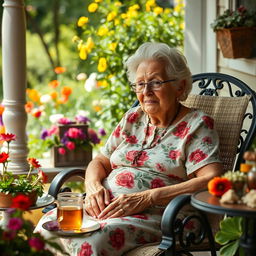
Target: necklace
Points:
(155, 141)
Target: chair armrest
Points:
(173, 229)
(168, 222)
(61, 177)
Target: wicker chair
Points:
(232, 104)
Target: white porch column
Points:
(14, 81)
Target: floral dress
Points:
(185, 147)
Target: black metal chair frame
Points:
(172, 228)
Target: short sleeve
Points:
(203, 146)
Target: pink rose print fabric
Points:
(186, 146)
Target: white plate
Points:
(88, 227)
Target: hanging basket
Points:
(236, 42)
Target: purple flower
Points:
(102, 132)
(65, 120)
(53, 225)
(15, 223)
(93, 136)
(82, 119)
(44, 134)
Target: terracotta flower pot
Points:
(6, 199)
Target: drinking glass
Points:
(70, 210)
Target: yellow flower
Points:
(89, 44)
(167, 11)
(182, 25)
(149, 4)
(103, 31)
(179, 8)
(116, 22)
(112, 46)
(82, 20)
(117, 4)
(134, 7)
(75, 39)
(158, 10)
(93, 7)
(102, 83)
(98, 1)
(33, 95)
(102, 65)
(123, 15)
(83, 52)
(132, 13)
(111, 16)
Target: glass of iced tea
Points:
(70, 210)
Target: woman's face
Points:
(157, 102)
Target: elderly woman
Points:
(160, 149)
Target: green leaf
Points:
(230, 229)
(229, 249)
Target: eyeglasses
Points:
(152, 85)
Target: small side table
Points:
(204, 201)
(41, 202)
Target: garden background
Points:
(75, 54)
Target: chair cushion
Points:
(145, 250)
(228, 114)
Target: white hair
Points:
(176, 64)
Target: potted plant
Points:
(12, 185)
(71, 141)
(236, 32)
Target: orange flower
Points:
(34, 162)
(29, 106)
(218, 186)
(34, 95)
(66, 91)
(59, 70)
(54, 83)
(1, 109)
(36, 113)
(54, 95)
(63, 99)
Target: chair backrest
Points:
(232, 104)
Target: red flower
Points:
(7, 137)
(197, 156)
(150, 131)
(36, 243)
(132, 139)
(208, 121)
(160, 167)
(218, 186)
(174, 154)
(86, 250)
(125, 179)
(21, 202)
(117, 238)
(42, 176)
(132, 118)
(132, 154)
(181, 130)
(207, 140)
(157, 183)
(189, 138)
(75, 133)
(117, 131)
(70, 145)
(62, 151)
(9, 235)
(34, 162)
(3, 157)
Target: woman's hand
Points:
(97, 198)
(127, 204)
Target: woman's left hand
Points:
(127, 204)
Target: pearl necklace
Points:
(154, 142)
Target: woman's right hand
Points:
(97, 198)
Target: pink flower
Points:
(208, 121)
(64, 120)
(181, 130)
(140, 161)
(74, 133)
(15, 223)
(62, 151)
(7, 137)
(132, 118)
(70, 145)
(132, 139)
(53, 130)
(174, 154)
(150, 131)
(207, 140)
(86, 250)
(157, 183)
(160, 167)
(117, 238)
(125, 179)
(36, 243)
(117, 131)
(197, 156)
